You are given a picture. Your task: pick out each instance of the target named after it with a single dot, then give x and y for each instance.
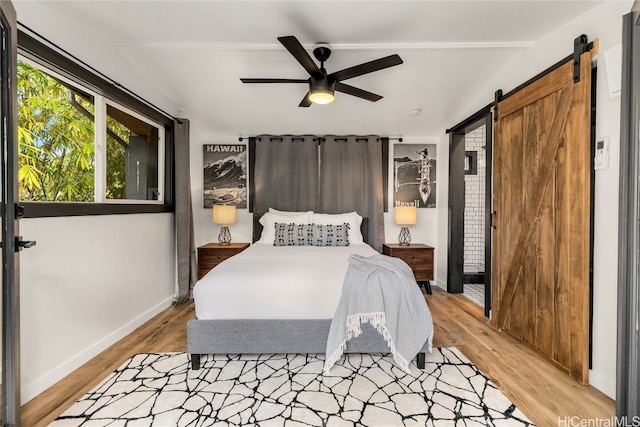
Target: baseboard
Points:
(440, 284)
(29, 391)
(602, 383)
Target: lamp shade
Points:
(405, 215)
(224, 214)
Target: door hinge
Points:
(580, 45)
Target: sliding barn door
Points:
(541, 199)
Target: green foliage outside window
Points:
(116, 160)
(56, 142)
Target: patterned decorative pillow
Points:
(330, 235)
(293, 234)
(269, 219)
(311, 234)
(352, 218)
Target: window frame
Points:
(101, 155)
(104, 91)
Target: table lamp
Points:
(404, 216)
(224, 215)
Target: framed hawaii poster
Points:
(225, 175)
(414, 175)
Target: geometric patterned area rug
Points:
(291, 390)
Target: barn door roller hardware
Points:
(497, 98)
(580, 46)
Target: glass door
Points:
(9, 212)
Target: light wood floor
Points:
(538, 388)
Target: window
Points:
(133, 156)
(55, 138)
(88, 145)
(62, 159)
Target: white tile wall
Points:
(475, 205)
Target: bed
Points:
(244, 305)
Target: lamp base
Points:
(225, 236)
(404, 239)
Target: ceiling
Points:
(187, 56)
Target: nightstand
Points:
(213, 254)
(418, 256)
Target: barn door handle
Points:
(492, 222)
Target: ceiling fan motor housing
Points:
(322, 51)
(323, 84)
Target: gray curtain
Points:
(351, 180)
(186, 263)
(285, 173)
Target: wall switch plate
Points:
(601, 158)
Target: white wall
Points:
(427, 225)
(91, 279)
(204, 228)
(88, 282)
(604, 23)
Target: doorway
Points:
(474, 208)
(469, 261)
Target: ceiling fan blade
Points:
(306, 102)
(367, 67)
(298, 51)
(341, 87)
(274, 80)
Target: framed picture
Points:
(225, 175)
(414, 175)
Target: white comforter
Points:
(276, 282)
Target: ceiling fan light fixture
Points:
(321, 91)
(321, 96)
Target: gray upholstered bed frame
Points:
(276, 336)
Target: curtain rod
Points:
(97, 72)
(399, 139)
(280, 138)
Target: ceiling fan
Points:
(321, 84)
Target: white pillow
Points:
(352, 218)
(268, 221)
(275, 211)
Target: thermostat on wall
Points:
(601, 159)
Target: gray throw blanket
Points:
(382, 291)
